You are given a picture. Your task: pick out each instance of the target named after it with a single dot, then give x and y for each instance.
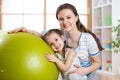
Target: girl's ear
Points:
(62, 37)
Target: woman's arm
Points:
(95, 64)
(34, 32)
(83, 71)
(62, 66)
(94, 53)
(23, 29)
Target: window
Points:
(37, 15)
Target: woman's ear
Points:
(77, 18)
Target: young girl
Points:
(67, 56)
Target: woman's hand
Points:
(20, 29)
(23, 29)
(79, 70)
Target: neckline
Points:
(79, 40)
(67, 43)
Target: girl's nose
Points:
(56, 44)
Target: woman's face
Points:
(67, 19)
(55, 41)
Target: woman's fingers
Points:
(20, 29)
(77, 66)
(80, 70)
(73, 71)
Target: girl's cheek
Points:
(54, 48)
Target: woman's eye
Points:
(60, 19)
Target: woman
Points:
(85, 43)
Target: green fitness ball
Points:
(22, 57)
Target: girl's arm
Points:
(62, 66)
(23, 29)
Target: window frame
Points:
(89, 15)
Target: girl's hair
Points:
(58, 32)
(80, 26)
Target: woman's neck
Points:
(73, 38)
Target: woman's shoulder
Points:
(86, 36)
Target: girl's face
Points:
(55, 41)
(67, 19)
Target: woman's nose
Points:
(64, 21)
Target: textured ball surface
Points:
(22, 57)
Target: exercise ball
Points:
(22, 57)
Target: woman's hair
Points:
(80, 26)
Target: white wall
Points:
(115, 11)
(116, 17)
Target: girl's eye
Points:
(56, 39)
(51, 44)
(68, 17)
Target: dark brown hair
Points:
(80, 26)
(59, 33)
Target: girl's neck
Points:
(62, 53)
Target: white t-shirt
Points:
(87, 46)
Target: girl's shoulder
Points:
(70, 50)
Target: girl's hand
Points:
(20, 29)
(51, 57)
(79, 70)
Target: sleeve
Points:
(92, 46)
